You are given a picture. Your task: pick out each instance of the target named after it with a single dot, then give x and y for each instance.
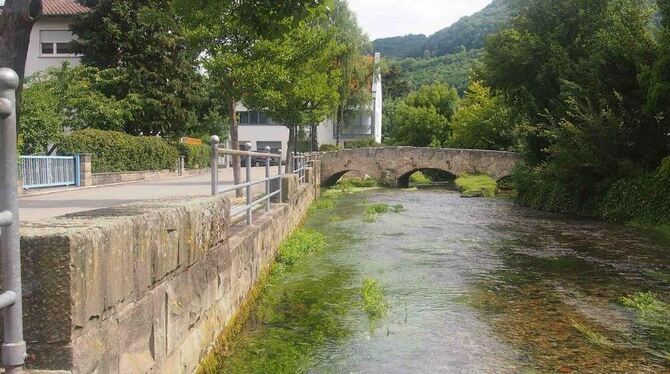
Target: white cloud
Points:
(385, 18)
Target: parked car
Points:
(259, 161)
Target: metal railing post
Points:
(13, 347)
(214, 141)
(249, 199)
(267, 176)
(279, 172)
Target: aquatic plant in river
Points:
(374, 301)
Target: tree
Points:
(224, 33)
(658, 78)
(16, 23)
(295, 78)
(140, 46)
(356, 70)
(483, 121)
(65, 97)
(422, 118)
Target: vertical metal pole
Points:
(249, 210)
(214, 141)
(13, 347)
(267, 177)
(279, 172)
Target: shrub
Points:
(114, 151)
(197, 156)
(419, 178)
(328, 148)
(477, 185)
(645, 199)
(362, 143)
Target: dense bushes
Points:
(115, 151)
(362, 143)
(645, 199)
(197, 156)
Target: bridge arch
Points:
(392, 165)
(404, 179)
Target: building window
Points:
(56, 42)
(254, 118)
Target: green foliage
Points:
(362, 143)
(422, 118)
(468, 33)
(477, 185)
(65, 97)
(140, 48)
(373, 211)
(580, 73)
(419, 178)
(197, 156)
(357, 183)
(115, 151)
(645, 199)
(328, 148)
(301, 243)
(41, 120)
(653, 315)
(453, 69)
(482, 121)
(374, 301)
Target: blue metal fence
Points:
(50, 171)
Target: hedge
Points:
(114, 151)
(197, 156)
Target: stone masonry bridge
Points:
(394, 165)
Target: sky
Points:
(385, 18)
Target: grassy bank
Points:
(477, 185)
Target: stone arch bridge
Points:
(394, 165)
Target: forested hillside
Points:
(466, 34)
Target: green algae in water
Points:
(301, 243)
(653, 315)
(592, 336)
(374, 301)
(303, 304)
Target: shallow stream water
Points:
(472, 286)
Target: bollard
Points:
(249, 210)
(13, 347)
(214, 141)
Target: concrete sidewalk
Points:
(35, 208)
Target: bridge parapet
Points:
(394, 165)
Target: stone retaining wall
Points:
(144, 287)
(100, 179)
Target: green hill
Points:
(466, 34)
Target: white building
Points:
(261, 131)
(50, 39)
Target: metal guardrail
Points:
(50, 171)
(299, 164)
(251, 203)
(13, 346)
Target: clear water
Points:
(474, 286)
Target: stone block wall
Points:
(144, 287)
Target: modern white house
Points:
(261, 131)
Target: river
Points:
(470, 286)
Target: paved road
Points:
(35, 208)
